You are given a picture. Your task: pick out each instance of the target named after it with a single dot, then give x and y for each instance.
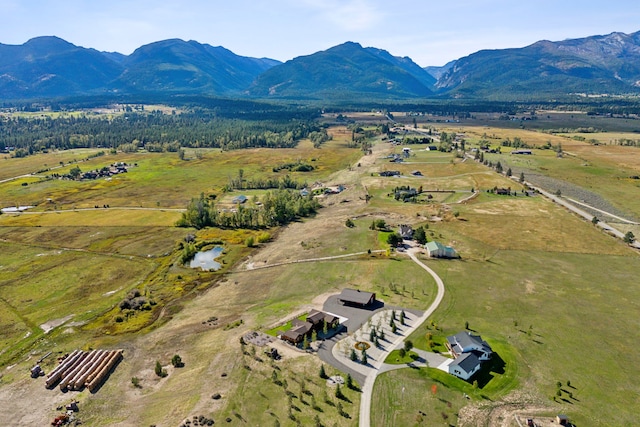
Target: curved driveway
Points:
(367, 388)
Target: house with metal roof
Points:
(238, 200)
(469, 352)
(465, 366)
(466, 342)
(356, 297)
(438, 250)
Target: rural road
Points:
(586, 215)
(121, 208)
(367, 388)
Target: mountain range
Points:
(49, 67)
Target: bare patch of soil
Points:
(48, 326)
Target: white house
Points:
(465, 366)
(469, 351)
(465, 342)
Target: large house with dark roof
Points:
(319, 318)
(469, 351)
(299, 329)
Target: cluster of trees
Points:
(278, 207)
(406, 193)
(319, 137)
(294, 167)
(516, 143)
(240, 183)
(153, 131)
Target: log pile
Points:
(84, 369)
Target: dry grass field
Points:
(546, 289)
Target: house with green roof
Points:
(438, 250)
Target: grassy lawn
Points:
(397, 281)
(405, 397)
(543, 313)
(56, 284)
(285, 326)
(394, 358)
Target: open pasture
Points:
(162, 180)
(560, 315)
(41, 285)
(12, 167)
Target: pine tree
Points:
(323, 374)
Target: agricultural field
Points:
(545, 288)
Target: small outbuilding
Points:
(356, 297)
(562, 419)
(240, 199)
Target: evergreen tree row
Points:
(151, 131)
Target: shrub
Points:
(176, 361)
(264, 237)
(159, 370)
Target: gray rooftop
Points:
(356, 296)
(466, 362)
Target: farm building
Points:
(521, 152)
(239, 199)
(438, 250)
(356, 297)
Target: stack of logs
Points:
(84, 369)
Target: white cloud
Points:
(350, 15)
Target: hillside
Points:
(50, 66)
(597, 64)
(344, 72)
(178, 66)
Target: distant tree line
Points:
(153, 131)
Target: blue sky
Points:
(430, 32)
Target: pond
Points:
(206, 260)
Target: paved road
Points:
(325, 353)
(356, 318)
(367, 388)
